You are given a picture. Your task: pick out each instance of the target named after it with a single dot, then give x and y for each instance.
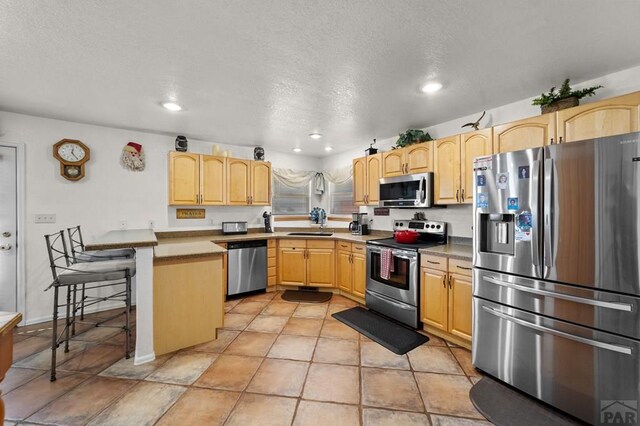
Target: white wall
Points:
(108, 193)
(460, 217)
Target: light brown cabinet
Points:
(272, 262)
(248, 182)
(306, 263)
(472, 145)
(351, 266)
(366, 173)
(613, 116)
(446, 160)
(446, 297)
(416, 158)
(534, 132)
(196, 179)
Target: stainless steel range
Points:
(397, 295)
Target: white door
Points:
(8, 228)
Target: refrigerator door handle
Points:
(598, 303)
(548, 215)
(535, 191)
(595, 343)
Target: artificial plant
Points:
(565, 92)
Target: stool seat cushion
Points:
(100, 255)
(89, 272)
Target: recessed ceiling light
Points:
(328, 148)
(171, 106)
(431, 87)
(315, 135)
(297, 149)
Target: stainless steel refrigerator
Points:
(556, 280)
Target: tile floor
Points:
(274, 363)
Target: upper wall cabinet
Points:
(416, 158)
(196, 179)
(367, 171)
(472, 145)
(609, 117)
(531, 132)
(446, 160)
(248, 182)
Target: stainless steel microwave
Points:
(408, 191)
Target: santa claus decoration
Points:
(132, 157)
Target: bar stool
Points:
(79, 254)
(93, 275)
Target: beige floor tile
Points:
(225, 337)
(97, 334)
(303, 326)
(266, 296)
(230, 372)
(299, 348)
(262, 410)
(94, 359)
(333, 383)
(337, 351)
(183, 368)
(312, 413)
(17, 377)
(373, 354)
(432, 359)
(126, 369)
(144, 404)
(311, 310)
(42, 359)
(237, 321)
(201, 407)
(280, 309)
(31, 397)
(464, 358)
(342, 301)
(250, 308)
(83, 402)
(267, 324)
(336, 329)
(377, 417)
(30, 346)
(437, 420)
(387, 388)
(279, 377)
(434, 340)
(230, 304)
(251, 344)
(446, 394)
(475, 379)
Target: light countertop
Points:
(8, 320)
(188, 249)
(455, 251)
(219, 238)
(129, 238)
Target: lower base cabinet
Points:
(306, 263)
(351, 268)
(446, 297)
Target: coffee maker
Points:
(267, 222)
(358, 225)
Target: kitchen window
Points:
(341, 198)
(290, 201)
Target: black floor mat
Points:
(503, 405)
(306, 296)
(395, 337)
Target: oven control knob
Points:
(438, 227)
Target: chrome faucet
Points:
(323, 218)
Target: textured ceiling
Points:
(271, 72)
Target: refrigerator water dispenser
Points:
(497, 233)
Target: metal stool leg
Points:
(127, 327)
(82, 306)
(67, 322)
(54, 338)
(73, 322)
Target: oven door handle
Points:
(391, 301)
(399, 254)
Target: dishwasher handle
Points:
(246, 244)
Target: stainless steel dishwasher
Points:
(246, 267)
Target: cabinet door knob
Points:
(444, 281)
(457, 195)
(449, 281)
(462, 196)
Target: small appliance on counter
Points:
(358, 225)
(231, 228)
(394, 291)
(267, 222)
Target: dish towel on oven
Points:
(386, 263)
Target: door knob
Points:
(5, 246)
(6, 234)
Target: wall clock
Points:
(72, 154)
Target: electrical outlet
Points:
(123, 225)
(152, 224)
(210, 221)
(45, 218)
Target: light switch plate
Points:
(45, 218)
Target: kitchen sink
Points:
(311, 234)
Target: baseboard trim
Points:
(144, 358)
(90, 310)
